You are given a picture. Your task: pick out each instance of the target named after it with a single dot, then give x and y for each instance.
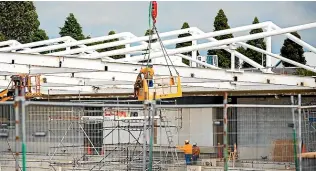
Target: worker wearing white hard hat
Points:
(187, 149)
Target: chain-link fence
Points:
(86, 136)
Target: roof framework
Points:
(83, 70)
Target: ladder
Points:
(165, 123)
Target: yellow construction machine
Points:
(22, 82)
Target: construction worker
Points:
(187, 149)
(148, 74)
(138, 84)
(195, 153)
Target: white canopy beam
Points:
(179, 40)
(295, 39)
(122, 70)
(81, 42)
(239, 55)
(226, 41)
(278, 56)
(122, 42)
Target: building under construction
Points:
(65, 108)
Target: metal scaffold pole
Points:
(294, 135)
(151, 113)
(300, 130)
(22, 102)
(17, 137)
(225, 133)
(144, 140)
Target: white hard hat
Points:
(186, 141)
(195, 144)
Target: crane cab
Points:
(163, 88)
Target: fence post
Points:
(300, 130)
(17, 122)
(22, 102)
(294, 135)
(225, 133)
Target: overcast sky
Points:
(98, 18)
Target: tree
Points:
(39, 35)
(150, 32)
(2, 37)
(113, 48)
(185, 25)
(19, 20)
(293, 51)
(304, 72)
(72, 28)
(241, 50)
(221, 23)
(259, 43)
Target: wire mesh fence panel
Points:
(265, 138)
(73, 136)
(99, 137)
(309, 137)
(9, 148)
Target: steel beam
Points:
(180, 40)
(123, 42)
(278, 56)
(239, 55)
(221, 42)
(128, 72)
(295, 39)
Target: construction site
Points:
(65, 106)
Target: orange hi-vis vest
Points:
(196, 151)
(187, 148)
(148, 72)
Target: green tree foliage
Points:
(2, 37)
(185, 25)
(39, 35)
(19, 20)
(72, 28)
(304, 72)
(109, 48)
(115, 47)
(221, 23)
(147, 33)
(293, 51)
(259, 43)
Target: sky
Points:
(98, 18)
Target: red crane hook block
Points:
(154, 10)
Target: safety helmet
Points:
(186, 141)
(195, 144)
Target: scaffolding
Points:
(106, 138)
(110, 136)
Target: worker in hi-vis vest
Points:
(148, 74)
(187, 149)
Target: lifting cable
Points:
(152, 30)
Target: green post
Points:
(295, 150)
